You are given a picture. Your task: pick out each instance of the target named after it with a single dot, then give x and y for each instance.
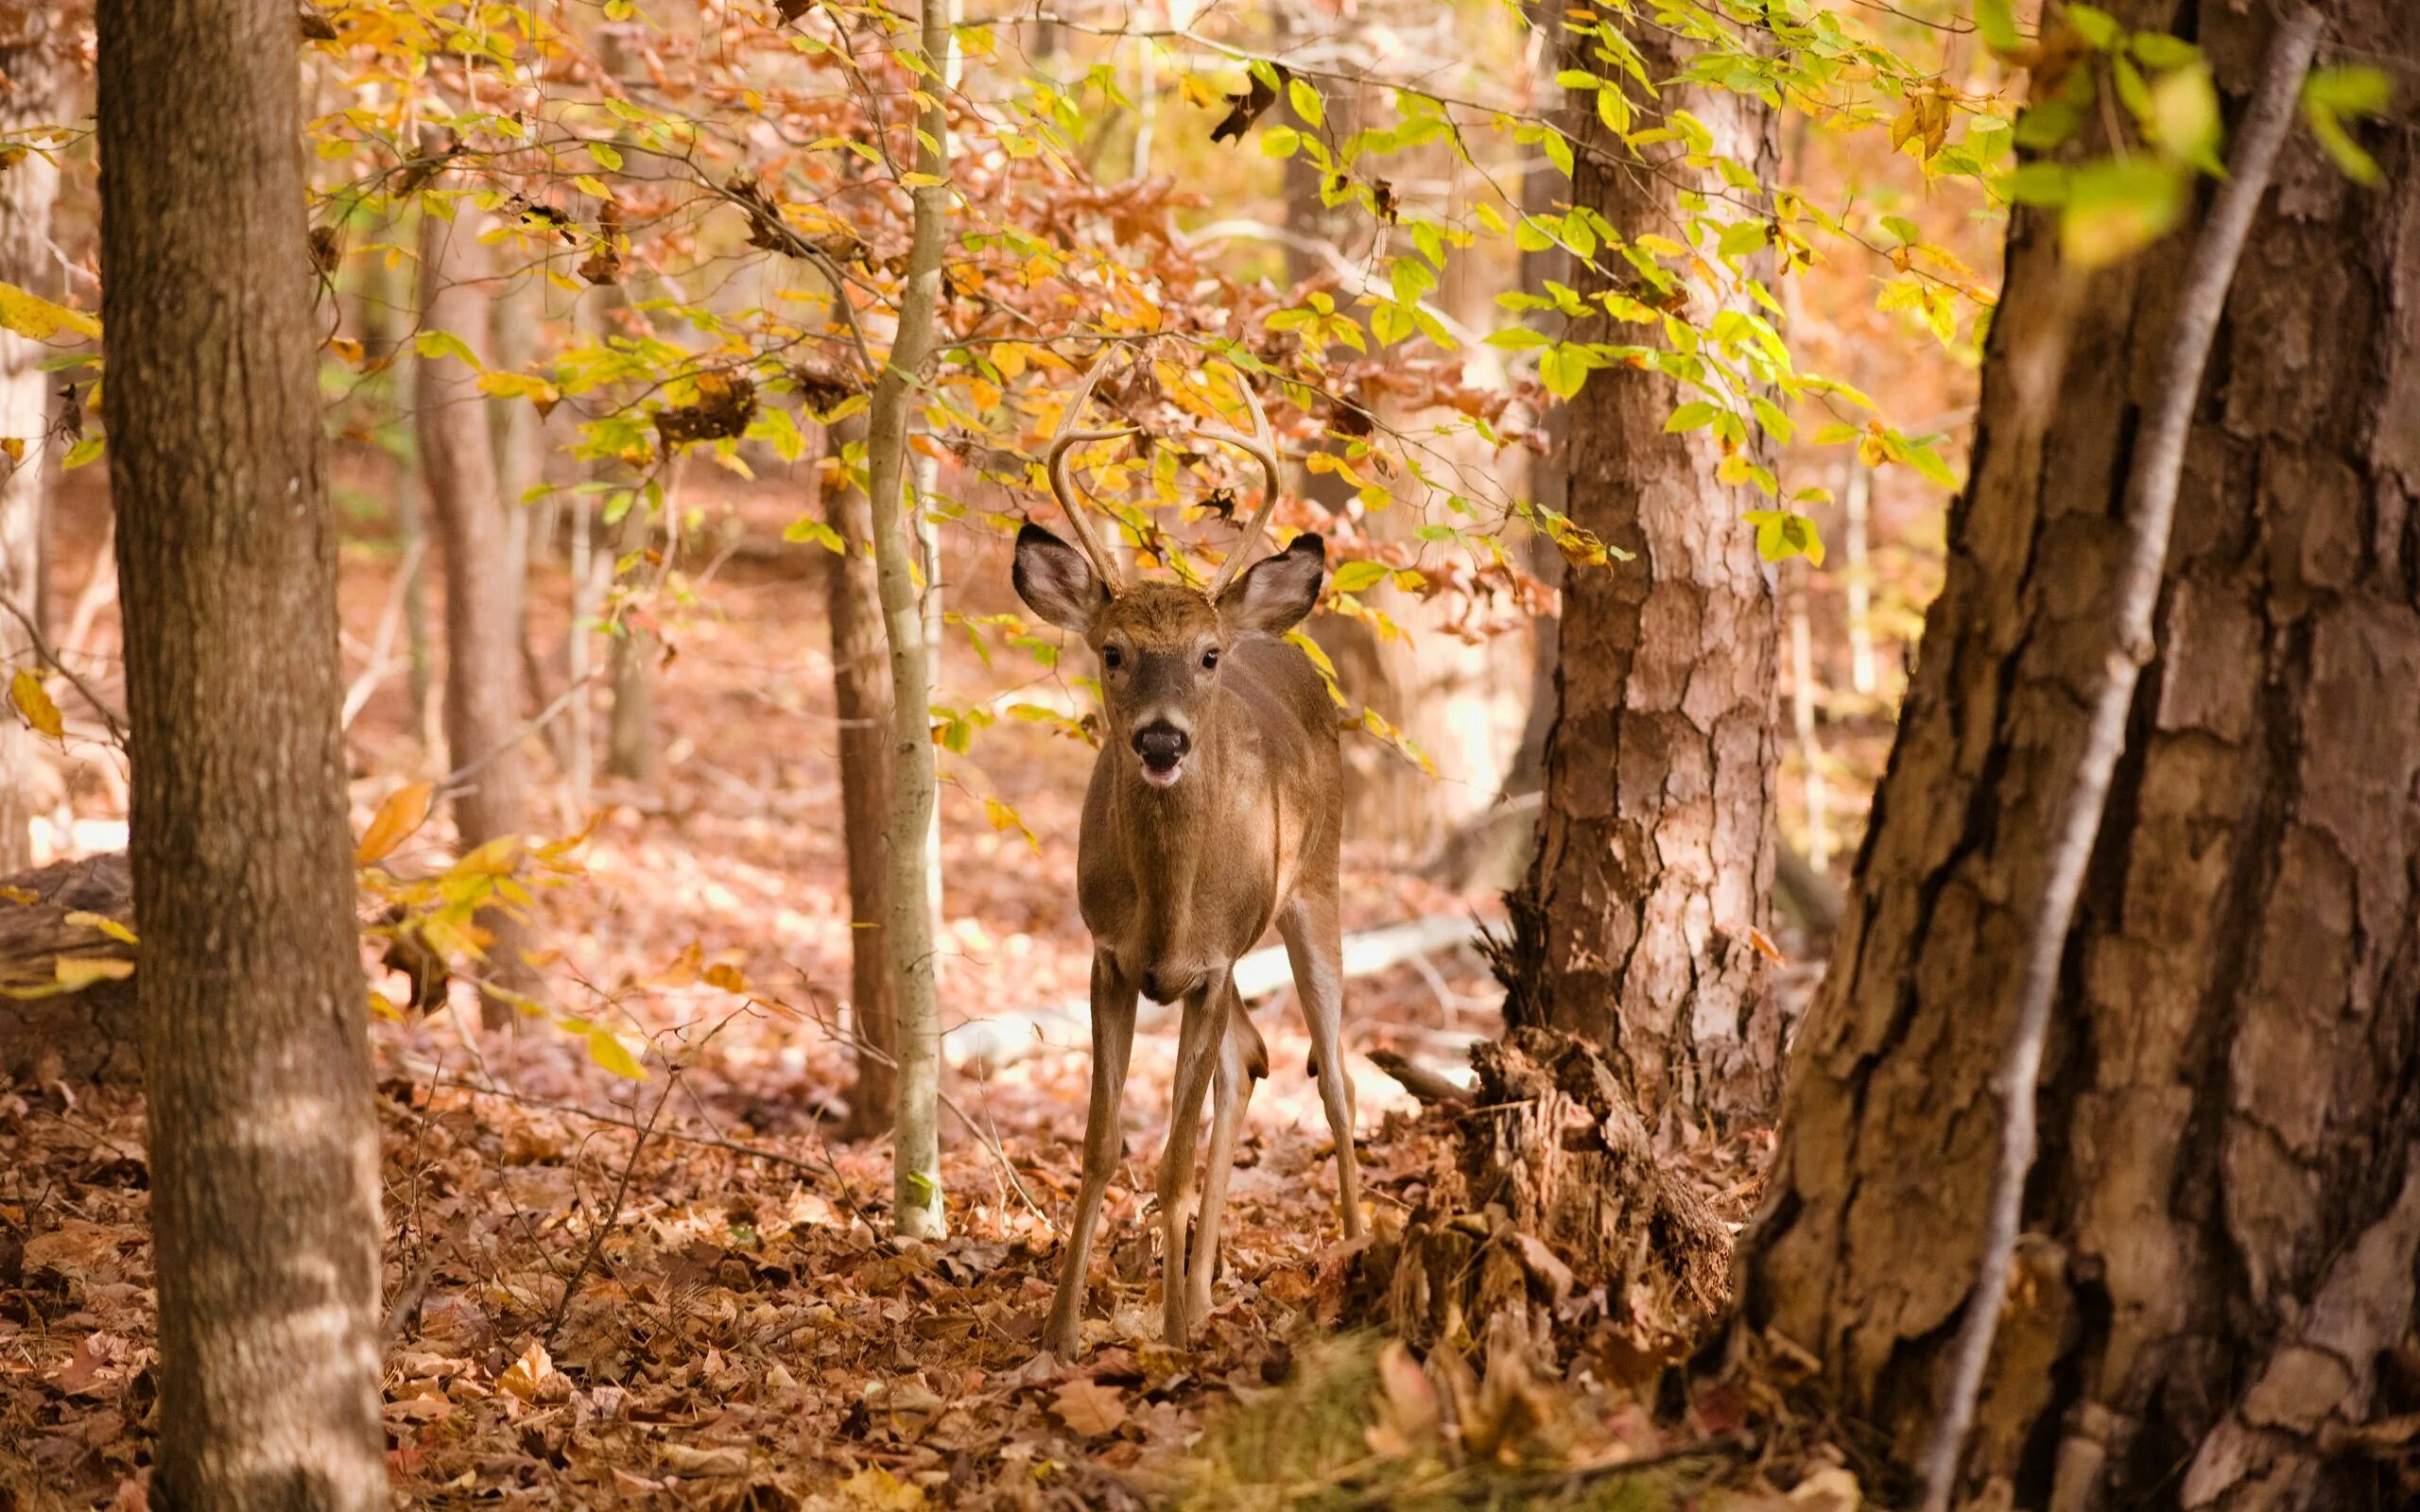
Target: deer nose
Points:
(1161, 746)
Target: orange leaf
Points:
(406, 810)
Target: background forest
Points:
(1871, 610)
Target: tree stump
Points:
(1548, 1202)
(81, 1012)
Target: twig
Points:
(2151, 511)
(612, 1218)
(49, 657)
(459, 774)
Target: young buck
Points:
(1213, 812)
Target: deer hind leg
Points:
(1314, 938)
(1243, 1059)
(1113, 1043)
(1197, 1046)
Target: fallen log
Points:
(66, 982)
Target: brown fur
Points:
(1178, 882)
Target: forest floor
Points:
(679, 1291)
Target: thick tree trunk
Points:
(263, 1147)
(861, 696)
(483, 680)
(2222, 1225)
(30, 64)
(1654, 862)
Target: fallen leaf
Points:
(877, 1488)
(532, 1375)
(1088, 1408)
(682, 1459)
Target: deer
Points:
(1215, 812)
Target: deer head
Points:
(1161, 643)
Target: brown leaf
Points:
(1088, 1408)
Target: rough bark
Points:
(1548, 1199)
(263, 1147)
(2221, 1230)
(483, 678)
(916, 1189)
(861, 699)
(32, 67)
(1654, 861)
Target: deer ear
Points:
(1056, 582)
(1274, 595)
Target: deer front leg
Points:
(1243, 1059)
(1113, 1043)
(1197, 1041)
(1314, 937)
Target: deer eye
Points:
(1112, 657)
(1210, 660)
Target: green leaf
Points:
(1280, 142)
(1742, 237)
(2184, 116)
(82, 452)
(1557, 151)
(1355, 575)
(2097, 27)
(446, 344)
(1304, 98)
(607, 158)
(1563, 369)
(2158, 49)
(1695, 415)
(2116, 209)
(2354, 88)
(817, 531)
(1997, 21)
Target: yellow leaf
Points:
(877, 1490)
(36, 318)
(609, 1052)
(726, 976)
(33, 701)
(103, 922)
(405, 809)
(20, 895)
(16, 447)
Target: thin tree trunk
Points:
(263, 1147)
(916, 1195)
(520, 439)
(1856, 574)
(862, 698)
(30, 63)
(629, 732)
(2218, 1245)
(483, 692)
(1654, 866)
(1543, 190)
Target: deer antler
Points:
(1262, 447)
(1065, 440)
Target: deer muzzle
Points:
(1163, 747)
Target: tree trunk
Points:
(29, 61)
(630, 733)
(2222, 1225)
(483, 692)
(263, 1147)
(1654, 862)
(861, 697)
(916, 1186)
